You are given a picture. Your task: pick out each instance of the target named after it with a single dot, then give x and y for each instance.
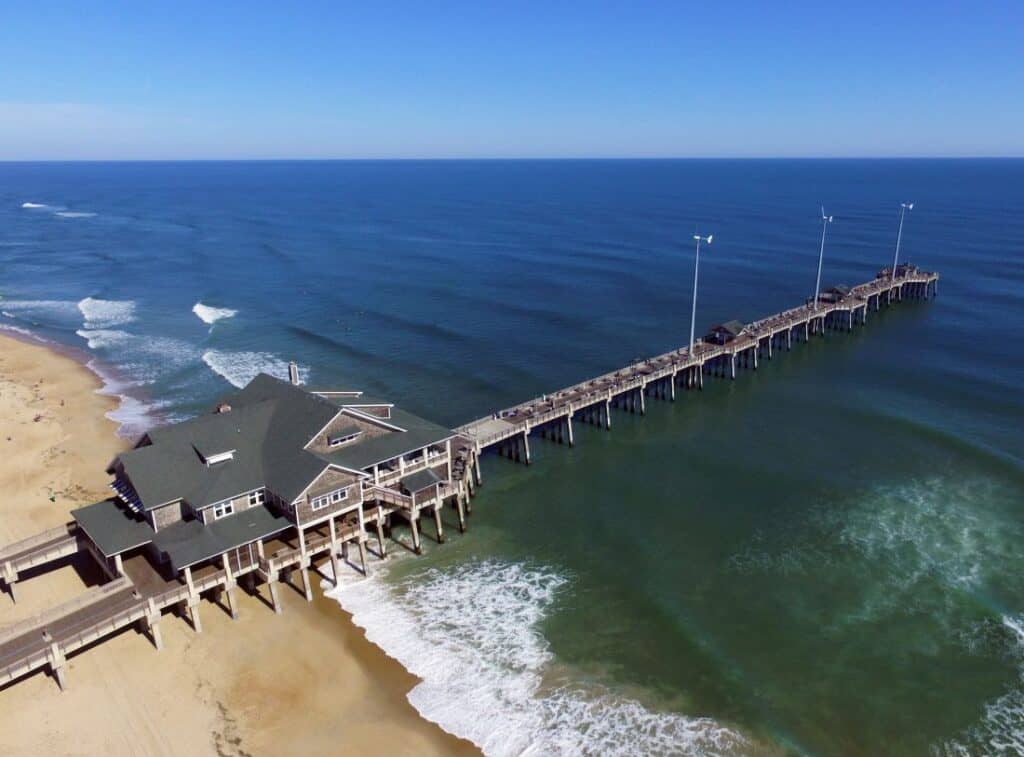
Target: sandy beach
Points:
(303, 682)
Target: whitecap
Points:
(210, 315)
(34, 205)
(1000, 729)
(74, 214)
(102, 314)
(239, 368)
(471, 634)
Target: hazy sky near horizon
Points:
(125, 80)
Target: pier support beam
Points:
(414, 526)
(380, 537)
(307, 587)
(439, 530)
(56, 661)
(462, 514)
(362, 555)
(193, 613)
(732, 366)
(275, 599)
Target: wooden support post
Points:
(307, 587)
(755, 359)
(275, 600)
(417, 547)
(462, 513)
(568, 428)
(380, 535)
(643, 402)
(732, 363)
(57, 663)
(362, 555)
(608, 415)
(437, 524)
(526, 447)
(193, 613)
(232, 605)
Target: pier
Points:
(552, 416)
(161, 544)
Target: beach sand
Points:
(302, 682)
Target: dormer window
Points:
(213, 454)
(344, 436)
(219, 457)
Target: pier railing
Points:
(525, 416)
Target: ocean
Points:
(822, 557)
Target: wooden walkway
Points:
(591, 401)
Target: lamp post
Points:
(904, 207)
(825, 221)
(696, 268)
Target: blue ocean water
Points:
(823, 557)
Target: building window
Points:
(331, 498)
(223, 509)
(257, 498)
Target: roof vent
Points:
(293, 373)
(223, 407)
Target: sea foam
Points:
(103, 314)
(239, 368)
(471, 634)
(34, 205)
(74, 214)
(210, 315)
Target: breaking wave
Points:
(103, 314)
(210, 315)
(239, 368)
(1001, 728)
(470, 633)
(35, 205)
(74, 214)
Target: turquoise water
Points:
(821, 557)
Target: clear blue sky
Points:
(127, 80)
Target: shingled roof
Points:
(269, 423)
(267, 427)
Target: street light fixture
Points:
(825, 221)
(696, 268)
(904, 207)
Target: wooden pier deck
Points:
(591, 401)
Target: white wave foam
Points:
(1001, 728)
(15, 308)
(102, 314)
(239, 368)
(470, 633)
(34, 205)
(21, 331)
(210, 315)
(141, 358)
(132, 415)
(74, 214)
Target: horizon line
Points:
(509, 159)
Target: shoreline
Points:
(307, 681)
